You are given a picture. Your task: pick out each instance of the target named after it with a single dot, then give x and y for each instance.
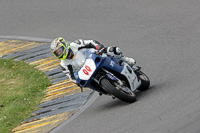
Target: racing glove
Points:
(101, 51)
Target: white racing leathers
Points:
(75, 46)
(116, 52)
(78, 44)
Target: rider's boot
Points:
(116, 52)
(129, 61)
(136, 68)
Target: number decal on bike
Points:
(88, 68)
(86, 72)
(112, 63)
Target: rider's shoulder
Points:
(79, 41)
(64, 62)
(73, 44)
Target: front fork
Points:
(112, 77)
(108, 75)
(117, 82)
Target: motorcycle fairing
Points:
(131, 76)
(95, 63)
(87, 70)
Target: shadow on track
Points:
(113, 104)
(152, 89)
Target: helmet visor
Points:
(59, 52)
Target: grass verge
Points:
(21, 89)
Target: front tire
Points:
(111, 89)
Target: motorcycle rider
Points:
(65, 52)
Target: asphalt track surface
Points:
(162, 35)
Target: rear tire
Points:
(111, 89)
(145, 82)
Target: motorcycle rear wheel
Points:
(111, 89)
(145, 82)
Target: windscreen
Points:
(79, 60)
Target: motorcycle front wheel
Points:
(127, 96)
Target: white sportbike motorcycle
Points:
(108, 75)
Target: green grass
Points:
(21, 89)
